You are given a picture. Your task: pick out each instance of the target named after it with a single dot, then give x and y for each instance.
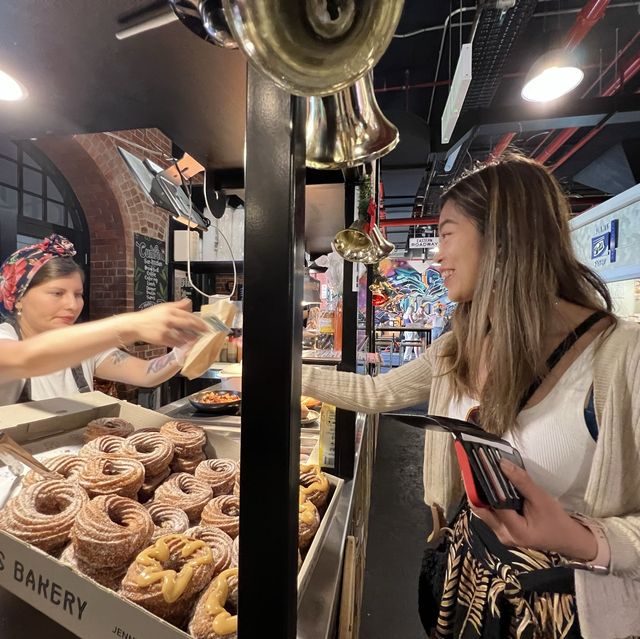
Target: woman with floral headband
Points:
(40, 299)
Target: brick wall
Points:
(115, 208)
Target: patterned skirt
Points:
(473, 587)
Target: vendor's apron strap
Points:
(76, 371)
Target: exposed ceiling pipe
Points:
(591, 13)
(626, 74)
(409, 221)
(606, 70)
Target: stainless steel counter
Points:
(319, 603)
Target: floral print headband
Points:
(20, 267)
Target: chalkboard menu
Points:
(149, 271)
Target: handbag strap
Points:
(561, 350)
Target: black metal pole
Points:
(346, 420)
(270, 443)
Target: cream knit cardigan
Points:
(608, 606)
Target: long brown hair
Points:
(527, 263)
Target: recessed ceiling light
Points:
(553, 75)
(10, 89)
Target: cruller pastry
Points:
(166, 577)
(69, 466)
(223, 512)
(187, 464)
(107, 445)
(167, 519)
(220, 474)
(215, 615)
(220, 543)
(110, 531)
(308, 523)
(186, 492)
(314, 485)
(112, 476)
(42, 514)
(152, 450)
(188, 438)
(107, 426)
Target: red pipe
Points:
(627, 73)
(409, 221)
(591, 13)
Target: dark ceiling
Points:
(81, 79)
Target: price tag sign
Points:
(327, 441)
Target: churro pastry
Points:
(153, 451)
(107, 426)
(308, 523)
(220, 543)
(107, 445)
(107, 577)
(223, 512)
(187, 464)
(166, 578)
(69, 466)
(150, 484)
(188, 438)
(235, 551)
(185, 492)
(112, 476)
(42, 514)
(167, 520)
(220, 474)
(314, 485)
(215, 616)
(110, 531)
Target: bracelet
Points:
(601, 562)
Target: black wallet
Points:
(479, 454)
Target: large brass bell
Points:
(313, 47)
(353, 244)
(348, 128)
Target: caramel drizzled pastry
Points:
(186, 492)
(314, 485)
(308, 523)
(110, 531)
(43, 514)
(69, 466)
(112, 476)
(166, 578)
(187, 438)
(152, 450)
(220, 543)
(220, 474)
(107, 426)
(223, 512)
(215, 615)
(167, 520)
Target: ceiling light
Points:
(553, 75)
(10, 88)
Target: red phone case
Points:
(467, 477)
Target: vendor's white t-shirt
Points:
(59, 384)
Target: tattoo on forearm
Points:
(117, 357)
(157, 364)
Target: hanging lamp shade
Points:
(553, 75)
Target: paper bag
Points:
(219, 316)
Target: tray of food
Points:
(216, 401)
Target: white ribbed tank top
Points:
(552, 436)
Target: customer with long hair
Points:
(44, 356)
(536, 356)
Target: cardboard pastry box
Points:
(54, 426)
